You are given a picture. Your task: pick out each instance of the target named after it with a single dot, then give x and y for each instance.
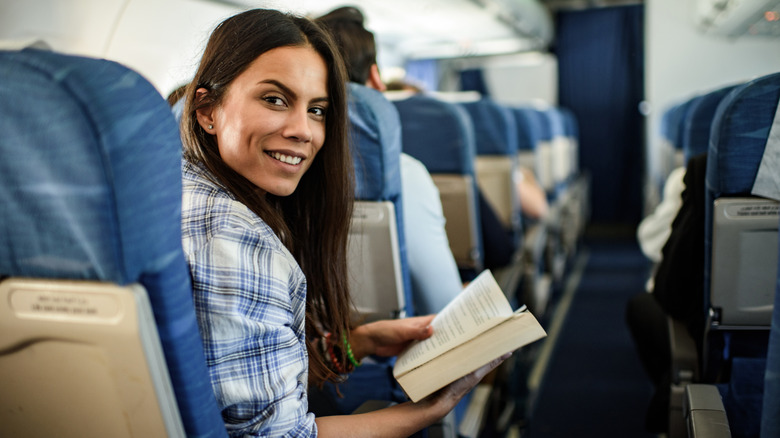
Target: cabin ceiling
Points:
(440, 28)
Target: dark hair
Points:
(313, 222)
(356, 43)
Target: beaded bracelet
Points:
(350, 356)
(330, 355)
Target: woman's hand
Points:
(389, 337)
(445, 399)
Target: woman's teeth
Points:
(285, 158)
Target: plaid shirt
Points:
(250, 299)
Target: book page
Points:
(477, 308)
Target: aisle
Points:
(593, 384)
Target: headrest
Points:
(557, 122)
(375, 139)
(90, 176)
(739, 133)
(494, 127)
(570, 125)
(529, 127)
(439, 134)
(672, 123)
(697, 122)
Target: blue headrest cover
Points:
(90, 188)
(375, 139)
(672, 123)
(494, 128)
(529, 128)
(698, 122)
(439, 134)
(557, 122)
(571, 126)
(739, 133)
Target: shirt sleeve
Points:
(250, 300)
(435, 277)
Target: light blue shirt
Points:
(435, 277)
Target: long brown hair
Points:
(313, 222)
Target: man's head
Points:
(356, 43)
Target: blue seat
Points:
(741, 251)
(496, 160)
(90, 196)
(378, 261)
(669, 154)
(770, 414)
(441, 135)
(697, 122)
(737, 139)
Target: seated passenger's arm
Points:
(434, 273)
(253, 331)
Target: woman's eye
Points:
(274, 100)
(317, 111)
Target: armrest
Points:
(704, 412)
(684, 371)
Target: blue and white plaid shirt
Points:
(250, 299)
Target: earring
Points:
(211, 126)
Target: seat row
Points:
(736, 126)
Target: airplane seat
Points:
(537, 287)
(579, 181)
(561, 161)
(377, 262)
(738, 292)
(496, 169)
(377, 248)
(98, 334)
(697, 122)
(669, 154)
(754, 413)
(496, 160)
(545, 167)
(741, 244)
(566, 196)
(770, 410)
(441, 135)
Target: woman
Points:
(265, 231)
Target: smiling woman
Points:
(266, 208)
(271, 122)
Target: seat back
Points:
(740, 229)
(697, 122)
(98, 332)
(496, 160)
(378, 271)
(770, 412)
(441, 135)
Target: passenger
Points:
(401, 85)
(530, 195)
(265, 233)
(654, 230)
(677, 293)
(434, 272)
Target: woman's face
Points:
(271, 122)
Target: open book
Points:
(475, 328)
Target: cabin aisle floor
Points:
(593, 384)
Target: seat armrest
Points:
(704, 412)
